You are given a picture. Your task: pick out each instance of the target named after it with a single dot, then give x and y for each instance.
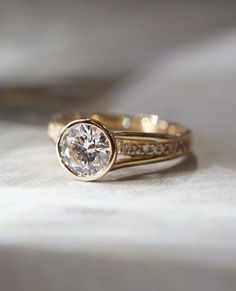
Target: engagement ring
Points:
(90, 145)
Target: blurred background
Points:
(114, 55)
(174, 58)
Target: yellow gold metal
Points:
(135, 139)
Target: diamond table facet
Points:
(85, 149)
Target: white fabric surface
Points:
(145, 228)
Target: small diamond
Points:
(134, 149)
(125, 149)
(161, 149)
(85, 149)
(154, 148)
(146, 148)
(129, 149)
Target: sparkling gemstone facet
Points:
(85, 149)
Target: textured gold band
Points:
(140, 138)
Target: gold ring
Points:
(90, 145)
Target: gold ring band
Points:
(90, 145)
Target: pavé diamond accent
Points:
(85, 149)
(128, 148)
(146, 148)
(154, 148)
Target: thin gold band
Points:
(139, 138)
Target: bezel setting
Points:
(86, 149)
